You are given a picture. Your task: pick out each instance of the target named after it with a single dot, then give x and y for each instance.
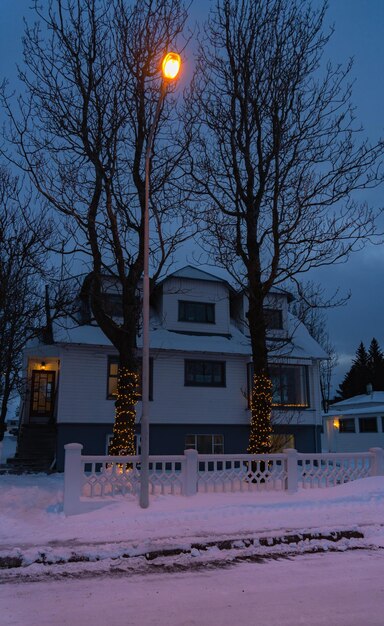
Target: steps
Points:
(36, 450)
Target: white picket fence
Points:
(87, 477)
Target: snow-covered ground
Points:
(168, 564)
(32, 520)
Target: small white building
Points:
(355, 424)
(199, 376)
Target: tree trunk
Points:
(128, 394)
(261, 395)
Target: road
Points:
(332, 589)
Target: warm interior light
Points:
(336, 423)
(171, 65)
(42, 365)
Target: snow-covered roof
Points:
(376, 397)
(301, 346)
(372, 403)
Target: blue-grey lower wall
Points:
(170, 438)
(307, 437)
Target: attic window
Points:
(273, 319)
(200, 312)
(113, 304)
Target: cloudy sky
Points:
(359, 31)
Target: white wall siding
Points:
(198, 405)
(83, 382)
(84, 372)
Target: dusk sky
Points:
(359, 27)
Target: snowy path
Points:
(338, 589)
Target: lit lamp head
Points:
(171, 65)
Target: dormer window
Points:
(200, 312)
(113, 304)
(273, 319)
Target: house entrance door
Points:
(42, 394)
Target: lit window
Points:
(113, 372)
(289, 385)
(200, 312)
(204, 373)
(281, 441)
(205, 444)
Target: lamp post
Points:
(170, 68)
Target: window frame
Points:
(222, 365)
(208, 306)
(343, 427)
(368, 419)
(269, 313)
(113, 360)
(214, 443)
(281, 366)
(112, 303)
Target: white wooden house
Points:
(200, 373)
(355, 424)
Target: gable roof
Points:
(193, 273)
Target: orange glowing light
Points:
(171, 65)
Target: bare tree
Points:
(310, 306)
(92, 78)
(23, 266)
(276, 158)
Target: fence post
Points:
(292, 482)
(190, 472)
(377, 468)
(72, 478)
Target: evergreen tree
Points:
(376, 365)
(367, 369)
(356, 380)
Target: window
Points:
(113, 370)
(204, 374)
(289, 385)
(113, 304)
(273, 319)
(281, 441)
(347, 425)
(205, 444)
(42, 393)
(368, 424)
(201, 312)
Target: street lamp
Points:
(170, 68)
